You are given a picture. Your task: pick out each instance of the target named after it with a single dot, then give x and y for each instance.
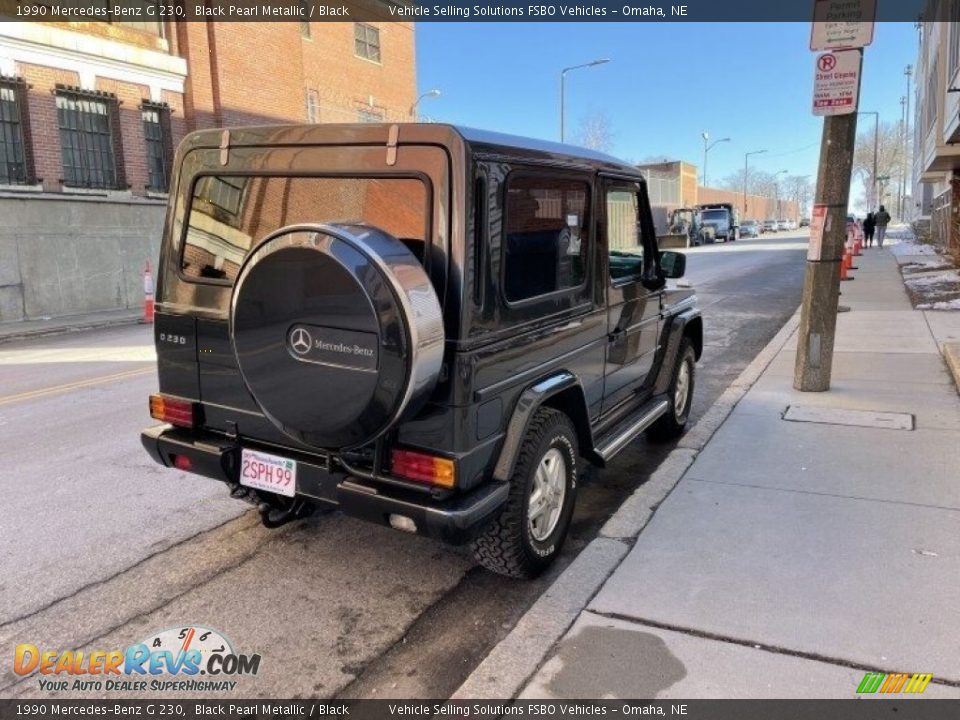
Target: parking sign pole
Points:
(828, 233)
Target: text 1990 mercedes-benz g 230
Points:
(425, 326)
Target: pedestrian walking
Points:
(882, 219)
(869, 226)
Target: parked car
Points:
(791, 224)
(427, 327)
(770, 226)
(782, 225)
(749, 228)
(804, 222)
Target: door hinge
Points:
(392, 140)
(224, 147)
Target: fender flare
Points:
(529, 402)
(678, 328)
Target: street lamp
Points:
(563, 76)
(876, 137)
(746, 159)
(706, 148)
(429, 93)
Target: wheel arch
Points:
(560, 391)
(687, 324)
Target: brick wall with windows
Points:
(236, 74)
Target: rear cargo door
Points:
(225, 210)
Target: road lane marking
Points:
(66, 387)
(34, 356)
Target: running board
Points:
(626, 431)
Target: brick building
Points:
(936, 126)
(673, 184)
(90, 113)
(95, 105)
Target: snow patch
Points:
(941, 305)
(945, 277)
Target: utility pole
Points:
(821, 285)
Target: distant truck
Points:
(687, 221)
(722, 219)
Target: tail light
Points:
(424, 468)
(172, 410)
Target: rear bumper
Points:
(453, 521)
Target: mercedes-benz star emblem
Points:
(300, 341)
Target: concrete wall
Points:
(68, 255)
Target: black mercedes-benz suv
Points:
(424, 326)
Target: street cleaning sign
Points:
(842, 24)
(836, 86)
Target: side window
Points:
(624, 240)
(546, 246)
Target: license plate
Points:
(268, 472)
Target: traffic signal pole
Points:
(821, 287)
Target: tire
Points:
(510, 545)
(673, 423)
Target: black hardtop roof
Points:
(482, 141)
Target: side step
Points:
(622, 434)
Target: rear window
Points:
(229, 214)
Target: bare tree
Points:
(799, 189)
(596, 132)
(890, 149)
(759, 182)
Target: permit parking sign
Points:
(842, 24)
(836, 86)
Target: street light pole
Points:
(563, 78)
(429, 93)
(707, 148)
(746, 159)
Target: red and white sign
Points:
(842, 24)
(836, 86)
(815, 249)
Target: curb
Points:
(63, 329)
(506, 669)
(951, 353)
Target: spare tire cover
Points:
(337, 332)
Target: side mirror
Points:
(673, 264)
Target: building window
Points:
(546, 242)
(87, 122)
(313, 106)
(156, 133)
(366, 41)
(370, 115)
(146, 9)
(13, 153)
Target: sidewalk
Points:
(30, 328)
(812, 537)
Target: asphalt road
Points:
(100, 548)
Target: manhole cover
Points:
(843, 416)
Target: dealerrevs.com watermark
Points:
(183, 659)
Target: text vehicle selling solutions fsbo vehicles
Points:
(427, 327)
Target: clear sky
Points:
(665, 84)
